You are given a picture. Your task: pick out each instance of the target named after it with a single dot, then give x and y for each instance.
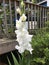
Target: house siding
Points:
(44, 4)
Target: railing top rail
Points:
(33, 4)
(30, 3)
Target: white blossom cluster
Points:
(22, 34)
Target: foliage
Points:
(47, 26)
(24, 60)
(40, 43)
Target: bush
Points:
(40, 44)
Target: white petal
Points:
(19, 48)
(20, 25)
(29, 48)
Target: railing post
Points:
(31, 17)
(43, 18)
(40, 11)
(10, 14)
(5, 19)
(38, 17)
(28, 17)
(15, 9)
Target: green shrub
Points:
(40, 44)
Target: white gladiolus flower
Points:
(23, 36)
(19, 48)
(18, 11)
(23, 18)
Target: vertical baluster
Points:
(28, 17)
(40, 16)
(1, 22)
(31, 17)
(47, 14)
(34, 16)
(43, 17)
(15, 9)
(10, 14)
(37, 16)
(5, 18)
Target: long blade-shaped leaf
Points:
(9, 61)
(14, 59)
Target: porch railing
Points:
(36, 16)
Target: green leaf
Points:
(20, 59)
(14, 59)
(9, 61)
(41, 60)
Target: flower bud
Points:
(23, 18)
(18, 10)
(22, 3)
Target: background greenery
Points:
(40, 43)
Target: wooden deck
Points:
(7, 45)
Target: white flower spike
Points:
(23, 36)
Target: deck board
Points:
(7, 45)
